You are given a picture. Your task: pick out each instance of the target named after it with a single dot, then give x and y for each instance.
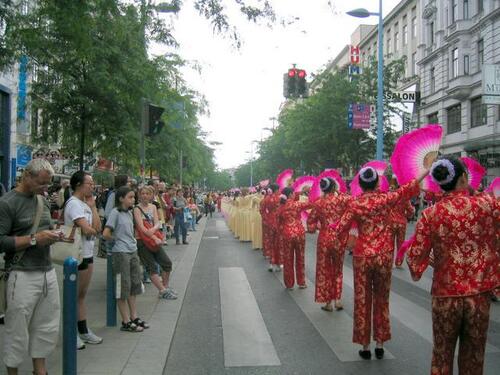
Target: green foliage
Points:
(218, 180)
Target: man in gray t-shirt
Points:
(33, 313)
(179, 224)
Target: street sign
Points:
(373, 115)
(401, 96)
(358, 116)
(491, 84)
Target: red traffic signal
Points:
(291, 73)
(301, 73)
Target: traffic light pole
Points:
(143, 140)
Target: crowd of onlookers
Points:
(129, 222)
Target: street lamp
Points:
(363, 13)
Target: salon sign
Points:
(491, 84)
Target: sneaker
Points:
(79, 343)
(167, 294)
(91, 338)
(270, 268)
(277, 268)
(172, 291)
(146, 280)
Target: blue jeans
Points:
(180, 224)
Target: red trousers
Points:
(372, 286)
(399, 237)
(266, 240)
(293, 256)
(276, 249)
(463, 318)
(329, 273)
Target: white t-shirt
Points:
(76, 209)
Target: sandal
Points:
(140, 323)
(130, 327)
(325, 308)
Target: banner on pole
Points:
(358, 116)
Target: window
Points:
(414, 63)
(466, 9)
(454, 119)
(431, 34)
(477, 112)
(35, 123)
(454, 6)
(432, 83)
(389, 46)
(396, 41)
(466, 65)
(25, 7)
(454, 63)
(414, 27)
(480, 53)
(405, 35)
(433, 118)
(480, 6)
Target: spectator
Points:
(80, 210)
(126, 267)
(33, 311)
(209, 202)
(195, 212)
(145, 210)
(179, 222)
(61, 195)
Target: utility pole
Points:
(180, 167)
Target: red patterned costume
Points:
(293, 238)
(372, 259)
(272, 210)
(461, 230)
(399, 217)
(329, 257)
(266, 226)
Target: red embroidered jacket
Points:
(462, 232)
(271, 208)
(289, 220)
(371, 212)
(402, 212)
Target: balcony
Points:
(460, 88)
(459, 27)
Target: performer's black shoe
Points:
(365, 354)
(379, 353)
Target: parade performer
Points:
(457, 237)
(266, 226)
(293, 237)
(400, 215)
(372, 257)
(272, 207)
(329, 258)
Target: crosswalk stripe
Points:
(408, 313)
(246, 339)
(335, 327)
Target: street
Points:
(306, 339)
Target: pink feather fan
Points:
(315, 192)
(284, 178)
(494, 187)
(380, 167)
(416, 151)
(303, 182)
(475, 171)
(263, 183)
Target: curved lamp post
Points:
(363, 13)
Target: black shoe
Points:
(177, 242)
(185, 243)
(365, 354)
(2, 320)
(379, 353)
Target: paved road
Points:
(237, 318)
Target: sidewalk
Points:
(126, 353)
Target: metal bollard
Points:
(110, 294)
(69, 315)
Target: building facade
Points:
(458, 37)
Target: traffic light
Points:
(294, 83)
(153, 124)
(301, 83)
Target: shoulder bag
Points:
(149, 242)
(4, 273)
(70, 245)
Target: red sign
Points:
(355, 55)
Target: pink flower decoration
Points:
(416, 151)
(380, 167)
(284, 177)
(475, 171)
